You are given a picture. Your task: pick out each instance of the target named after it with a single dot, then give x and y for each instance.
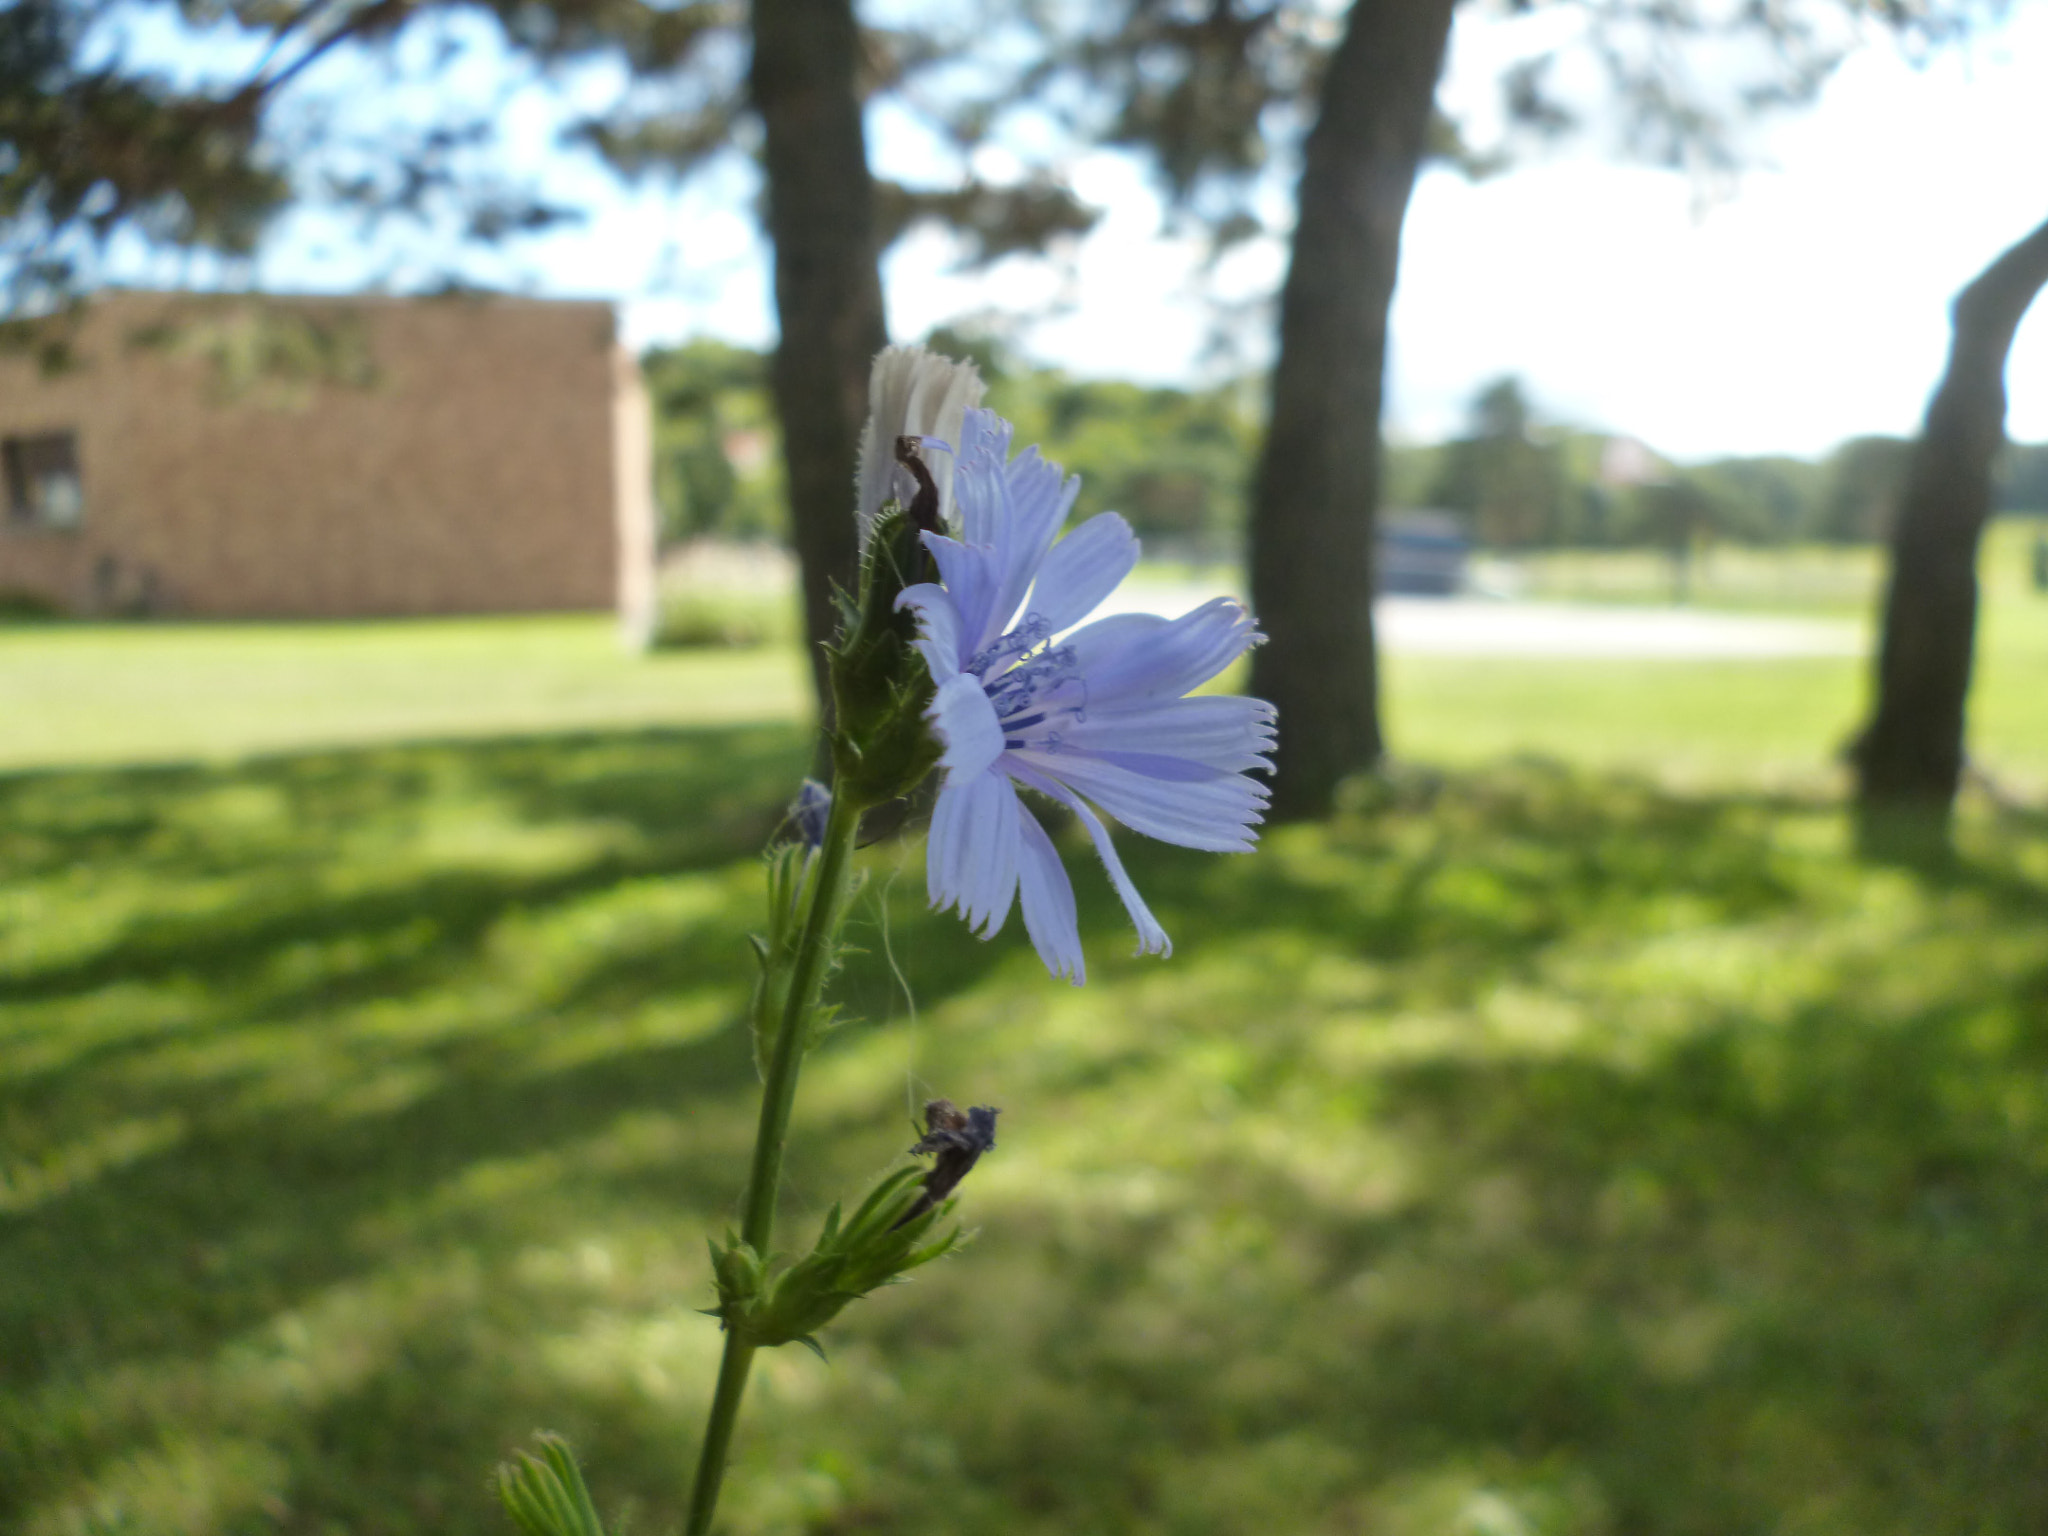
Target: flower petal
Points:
(940, 622)
(971, 859)
(1218, 730)
(970, 575)
(978, 487)
(1048, 894)
(1083, 568)
(1039, 499)
(1170, 798)
(1152, 939)
(1107, 637)
(1125, 665)
(966, 723)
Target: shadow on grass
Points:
(1517, 1152)
(1530, 1153)
(257, 1014)
(647, 802)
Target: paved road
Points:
(1474, 626)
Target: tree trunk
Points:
(1317, 490)
(828, 292)
(1910, 757)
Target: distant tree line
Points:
(1174, 462)
(1177, 464)
(1523, 484)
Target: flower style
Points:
(1099, 714)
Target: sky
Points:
(1803, 304)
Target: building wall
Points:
(469, 457)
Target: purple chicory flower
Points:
(1096, 715)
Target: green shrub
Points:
(697, 618)
(18, 607)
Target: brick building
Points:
(236, 457)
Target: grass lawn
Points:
(1524, 1151)
(170, 694)
(1531, 1149)
(178, 693)
(1778, 722)
(106, 693)
(1811, 578)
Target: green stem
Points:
(725, 1413)
(807, 975)
(778, 1098)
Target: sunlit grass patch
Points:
(169, 693)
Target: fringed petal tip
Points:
(1062, 964)
(983, 925)
(1154, 943)
(1243, 612)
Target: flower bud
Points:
(882, 745)
(545, 1495)
(886, 1237)
(916, 394)
(809, 814)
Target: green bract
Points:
(545, 1495)
(868, 1251)
(882, 745)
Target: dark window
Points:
(43, 488)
